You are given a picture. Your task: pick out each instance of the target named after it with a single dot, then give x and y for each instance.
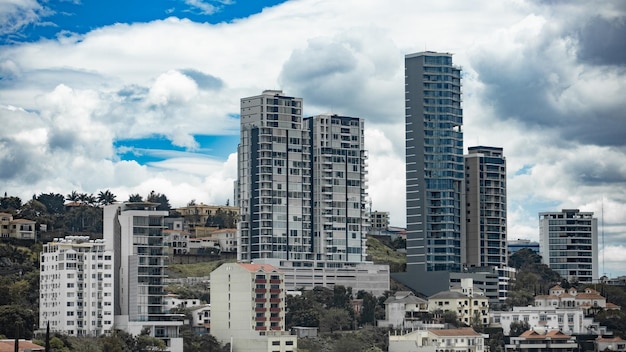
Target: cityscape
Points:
(194, 208)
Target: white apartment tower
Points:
(568, 244)
(76, 286)
(301, 185)
(248, 308)
(134, 232)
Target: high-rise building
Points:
(248, 308)
(379, 220)
(76, 287)
(568, 244)
(301, 184)
(434, 168)
(134, 232)
(485, 208)
(302, 191)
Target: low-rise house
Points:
(172, 301)
(404, 310)
(553, 341)
(435, 340)
(201, 318)
(610, 344)
(589, 299)
(177, 241)
(22, 229)
(467, 302)
(568, 320)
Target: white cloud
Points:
(526, 89)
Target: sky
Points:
(141, 95)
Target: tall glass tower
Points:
(434, 163)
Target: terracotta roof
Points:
(565, 295)
(557, 287)
(258, 267)
(589, 295)
(532, 334)
(9, 346)
(610, 339)
(611, 305)
(455, 332)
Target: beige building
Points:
(435, 340)
(22, 229)
(588, 300)
(203, 215)
(467, 302)
(248, 308)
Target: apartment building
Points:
(568, 244)
(76, 286)
(248, 308)
(434, 170)
(485, 208)
(135, 233)
(302, 191)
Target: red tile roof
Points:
(258, 267)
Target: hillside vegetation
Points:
(380, 253)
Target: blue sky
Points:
(135, 96)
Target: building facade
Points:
(76, 287)
(379, 220)
(434, 168)
(22, 229)
(248, 308)
(135, 233)
(568, 244)
(301, 187)
(485, 208)
(437, 340)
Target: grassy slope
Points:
(376, 250)
(382, 254)
(196, 269)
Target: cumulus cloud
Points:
(542, 79)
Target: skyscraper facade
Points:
(134, 233)
(434, 163)
(301, 184)
(485, 209)
(568, 244)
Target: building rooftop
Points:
(251, 267)
(455, 332)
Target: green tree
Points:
(73, 196)
(54, 202)
(335, 319)
(135, 198)
(164, 203)
(106, 197)
(32, 210)
(10, 203)
(368, 312)
(16, 315)
(518, 328)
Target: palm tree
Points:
(135, 198)
(106, 197)
(74, 196)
